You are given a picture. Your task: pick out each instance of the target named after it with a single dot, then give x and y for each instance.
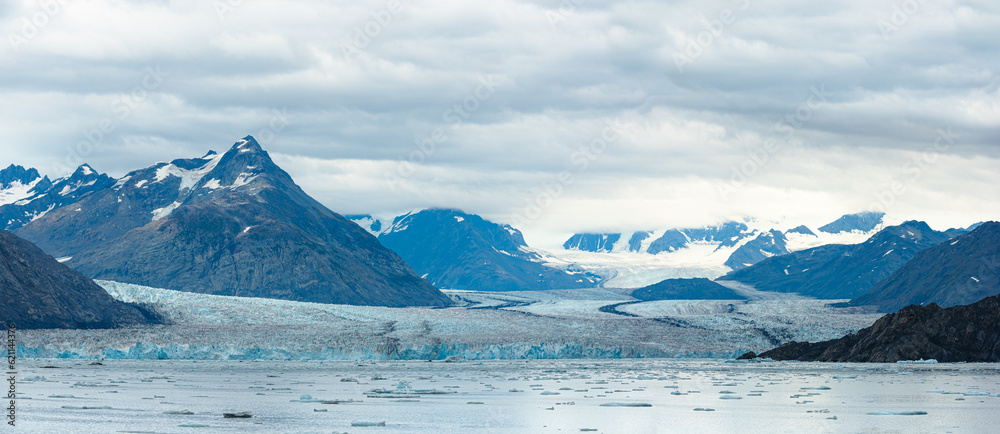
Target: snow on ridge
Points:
(189, 178)
(16, 192)
(160, 213)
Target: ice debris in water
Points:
(896, 413)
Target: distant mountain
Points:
(959, 271)
(727, 235)
(592, 242)
(227, 224)
(803, 230)
(686, 289)
(367, 222)
(17, 183)
(766, 245)
(456, 250)
(864, 222)
(957, 334)
(841, 271)
(39, 292)
(43, 196)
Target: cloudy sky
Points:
(556, 117)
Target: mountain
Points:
(45, 196)
(686, 289)
(766, 245)
(463, 251)
(803, 230)
(955, 272)
(727, 234)
(837, 271)
(39, 292)
(227, 224)
(863, 222)
(17, 183)
(957, 334)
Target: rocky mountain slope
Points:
(959, 271)
(841, 271)
(686, 289)
(39, 292)
(456, 250)
(968, 333)
(227, 224)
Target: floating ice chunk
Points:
(549, 393)
(897, 413)
(193, 425)
(186, 412)
(730, 397)
(475, 402)
(704, 409)
(99, 407)
(975, 393)
(815, 388)
(918, 362)
(237, 415)
(367, 423)
(626, 404)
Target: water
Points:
(534, 396)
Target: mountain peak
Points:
(248, 144)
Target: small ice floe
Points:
(842, 377)
(918, 362)
(98, 407)
(588, 429)
(367, 423)
(976, 393)
(515, 390)
(896, 413)
(37, 378)
(349, 380)
(475, 403)
(730, 397)
(815, 388)
(935, 391)
(305, 397)
(185, 412)
(337, 401)
(678, 393)
(319, 410)
(63, 396)
(549, 393)
(193, 425)
(237, 415)
(704, 409)
(626, 404)
(727, 392)
(832, 418)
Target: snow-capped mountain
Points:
(960, 271)
(653, 242)
(863, 222)
(32, 200)
(837, 271)
(456, 250)
(227, 224)
(764, 246)
(39, 292)
(17, 183)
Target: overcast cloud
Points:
(557, 117)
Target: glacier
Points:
(559, 324)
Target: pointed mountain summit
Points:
(228, 224)
(43, 195)
(39, 292)
(862, 221)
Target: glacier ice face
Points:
(562, 324)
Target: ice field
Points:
(588, 323)
(524, 396)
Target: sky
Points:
(556, 117)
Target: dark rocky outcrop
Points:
(862, 221)
(968, 333)
(686, 289)
(39, 292)
(958, 271)
(766, 245)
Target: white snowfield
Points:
(489, 325)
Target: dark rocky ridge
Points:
(766, 245)
(39, 292)
(958, 271)
(686, 289)
(231, 224)
(47, 196)
(969, 333)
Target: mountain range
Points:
(225, 224)
(457, 250)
